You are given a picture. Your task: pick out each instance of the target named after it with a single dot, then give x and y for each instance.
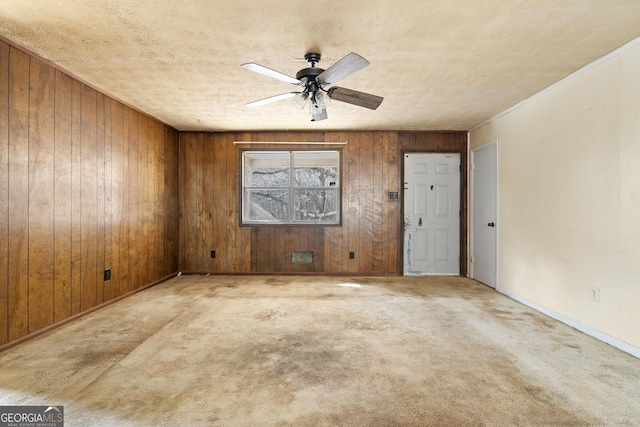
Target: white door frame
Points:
(493, 142)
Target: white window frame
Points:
(291, 188)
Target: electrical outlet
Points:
(594, 294)
(213, 254)
(352, 255)
(107, 274)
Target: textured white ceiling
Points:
(438, 64)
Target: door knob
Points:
(491, 224)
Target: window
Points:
(291, 187)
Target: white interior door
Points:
(432, 214)
(484, 224)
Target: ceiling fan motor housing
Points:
(308, 74)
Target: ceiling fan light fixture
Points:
(300, 100)
(323, 99)
(318, 106)
(318, 112)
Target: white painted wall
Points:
(569, 185)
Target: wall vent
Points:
(302, 256)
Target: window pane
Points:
(267, 205)
(291, 187)
(266, 169)
(316, 205)
(316, 168)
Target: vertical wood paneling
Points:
(4, 191)
(171, 179)
(18, 183)
(189, 201)
(88, 200)
(108, 196)
(333, 252)
(302, 241)
(198, 212)
(220, 216)
(157, 214)
(239, 238)
(41, 194)
(394, 218)
(318, 253)
(149, 220)
(142, 208)
(124, 207)
(257, 245)
(166, 193)
(371, 222)
(76, 195)
(207, 184)
(182, 201)
(228, 180)
(380, 231)
(354, 206)
(245, 249)
(100, 198)
(133, 202)
(287, 239)
(85, 183)
(160, 217)
(366, 202)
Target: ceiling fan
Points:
(314, 83)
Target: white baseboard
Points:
(613, 341)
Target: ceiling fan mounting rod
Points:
(312, 58)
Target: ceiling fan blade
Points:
(269, 72)
(271, 99)
(354, 97)
(341, 69)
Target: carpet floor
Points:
(322, 351)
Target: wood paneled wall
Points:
(86, 183)
(371, 222)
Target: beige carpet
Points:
(306, 351)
